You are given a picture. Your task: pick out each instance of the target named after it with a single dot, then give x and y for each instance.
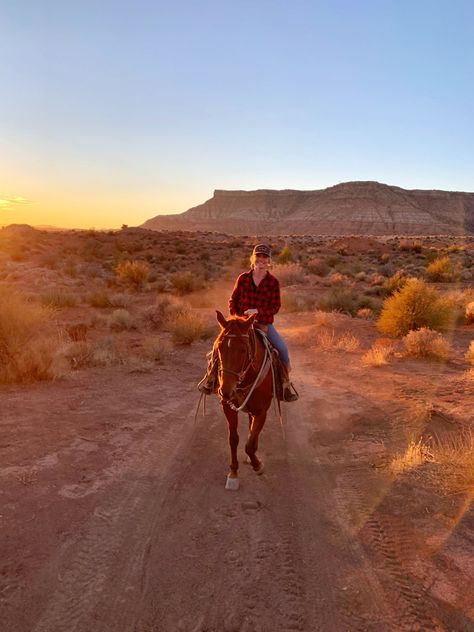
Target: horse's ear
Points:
(221, 319)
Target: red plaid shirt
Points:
(265, 297)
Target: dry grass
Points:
(29, 341)
(328, 340)
(469, 355)
(455, 455)
(469, 313)
(121, 319)
(416, 454)
(58, 298)
(292, 302)
(133, 273)
(288, 273)
(185, 282)
(376, 356)
(186, 327)
(426, 343)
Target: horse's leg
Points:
(232, 421)
(251, 446)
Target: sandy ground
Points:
(114, 516)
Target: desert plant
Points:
(469, 355)
(133, 273)
(58, 298)
(443, 270)
(426, 343)
(292, 302)
(317, 266)
(185, 282)
(455, 455)
(416, 454)
(186, 327)
(376, 356)
(99, 299)
(414, 306)
(285, 255)
(121, 319)
(469, 313)
(344, 300)
(162, 310)
(29, 341)
(395, 282)
(289, 273)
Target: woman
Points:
(257, 292)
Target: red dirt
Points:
(114, 514)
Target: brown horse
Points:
(245, 383)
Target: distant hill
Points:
(351, 208)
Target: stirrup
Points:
(290, 394)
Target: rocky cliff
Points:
(355, 208)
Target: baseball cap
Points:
(262, 249)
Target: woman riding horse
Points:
(256, 292)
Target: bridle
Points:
(251, 355)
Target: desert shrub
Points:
(326, 319)
(284, 256)
(416, 454)
(186, 327)
(344, 300)
(121, 319)
(185, 282)
(292, 302)
(337, 278)
(377, 279)
(29, 342)
(317, 266)
(120, 300)
(410, 245)
(328, 339)
(426, 343)
(58, 298)
(365, 312)
(162, 310)
(414, 306)
(395, 282)
(469, 313)
(99, 299)
(133, 273)
(376, 356)
(455, 455)
(77, 331)
(443, 270)
(470, 353)
(289, 273)
(156, 349)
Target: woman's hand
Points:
(250, 312)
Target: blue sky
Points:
(112, 112)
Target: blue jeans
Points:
(278, 342)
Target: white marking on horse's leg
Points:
(232, 483)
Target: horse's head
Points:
(235, 353)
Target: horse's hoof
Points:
(261, 469)
(232, 483)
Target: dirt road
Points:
(125, 525)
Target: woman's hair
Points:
(253, 259)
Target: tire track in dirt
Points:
(245, 566)
(99, 579)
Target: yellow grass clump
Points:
(29, 341)
(443, 270)
(426, 343)
(416, 454)
(288, 273)
(186, 327)
(470, 353)
(133, 273)
(330, 340)
(376, 356)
